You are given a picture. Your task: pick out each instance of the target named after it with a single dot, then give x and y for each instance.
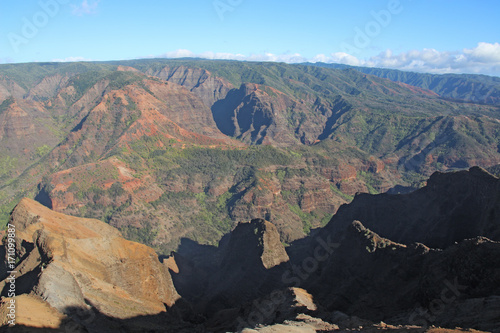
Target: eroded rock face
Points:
(377, 279)
(81, 272)
(248, 264)
(199, 81)
(255, 242)
(452, 207)
(75, 263)
(35, 314)
(55, 127)
(252, 261)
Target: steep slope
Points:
(74, 263)
(209, 88)
(451, 207)
(37, 116)
(246, 265)
(354, 278)
(145, 108)
(472, 88)
(349, 107)
(377, 279)
(165, 149)
(287, 105)
(465, 87)
(81, 275)
(120, 113)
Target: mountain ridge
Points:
(477, 88)
(340, 278)
(135, 143)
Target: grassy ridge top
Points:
(467, 87)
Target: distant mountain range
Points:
(461, 87)
(172, 149)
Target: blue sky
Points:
(439, 36)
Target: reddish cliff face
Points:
(141, 119)
(108, 141)
(163, 111)
(260, 114)
(208, 87)
(80, 274)
(24, 130)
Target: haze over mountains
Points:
(166, 149)
(461, 87)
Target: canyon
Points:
(171, 149)
(81, 275)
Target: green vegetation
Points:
(145, 234)
(341, 194)
(85, 81)
(309, 220)
(27, 75)
(467, 87)
(118, 80)
(209, 217)
(8, 206)
(7, 164)
(116, 190)
(210, 162)
(324, 221)
(42, 150)
(370, 181)
(358, 120)
(6, 104)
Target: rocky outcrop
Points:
(35, 314)
(260, 114)
(252, 259)
(257, 242)
(201, 82)
(247, 264)
(374, 278)
(305, 324)
(74, 263)
(452, 207)
(277, 307)
(255, 114)
(81, 273)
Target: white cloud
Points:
(178, 54)
(85, 8)
(484, 53)
(71, 59)
(181, 53)
(344, 58)
(483, 59)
